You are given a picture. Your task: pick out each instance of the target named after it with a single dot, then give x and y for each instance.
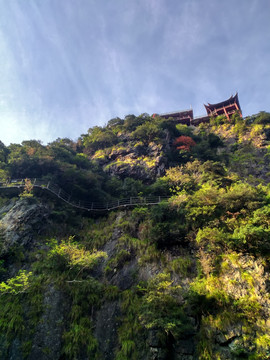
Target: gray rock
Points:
(124, 278)
(106, 329)
(158, 354)
(11, 351)
(185, 347)
(21, 223)
(5, 209)
(15, 350)
(133, 161)
(48, 335)
(153, 339)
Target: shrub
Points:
(184, 129)
(146, 132)
(161, 309)
(262, 118)
(28, 189)
(131, 122)
(16, 285)
(99, 137)
(184, 143)
(212, 238)
(70, 258)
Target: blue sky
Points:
(67, 65)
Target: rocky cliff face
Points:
(187, 279)
(118, 305)
(21, 222)
(135, 159)
(247, 148)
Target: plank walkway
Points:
(80, 204)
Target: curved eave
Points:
(230, 101)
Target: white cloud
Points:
(70, 67)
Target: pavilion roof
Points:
(230, 101)
(189, 111)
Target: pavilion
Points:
(227, 108)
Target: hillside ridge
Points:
(185, 279)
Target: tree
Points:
(28, 189)
(99, 137)
(262, 118)
(146, 132)
(115, 122)
(3, 152)
(184, 143)
(132, 122)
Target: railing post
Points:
(81, 204)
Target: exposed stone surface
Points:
(185, 348)
(241, 276)
(16, 350)
(245, 276)
(22, 221)
(48, 335)
(12, 352)
(107, 322)
(124, 278)
(143, 162)
(250, 148)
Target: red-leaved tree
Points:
(184, 143)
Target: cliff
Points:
(185, 279)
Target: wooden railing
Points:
(80, 204)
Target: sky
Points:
(66, 66)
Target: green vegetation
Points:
(188, 277)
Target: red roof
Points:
(232, 100)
